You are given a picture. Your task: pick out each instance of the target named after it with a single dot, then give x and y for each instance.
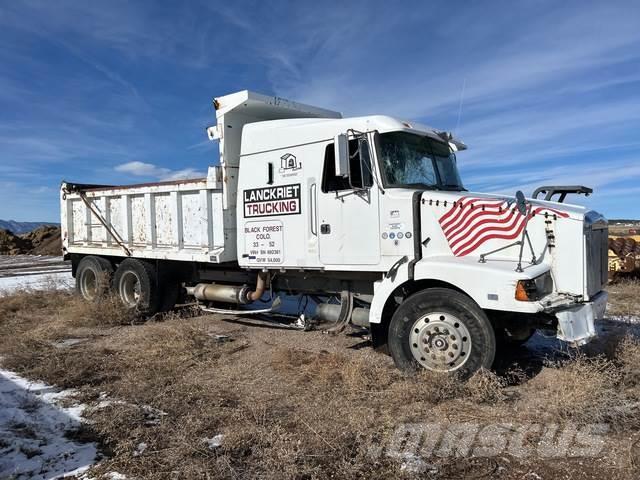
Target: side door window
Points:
(360, 173)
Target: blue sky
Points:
(119, 92)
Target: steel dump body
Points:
(182, 220)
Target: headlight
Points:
(534, 289)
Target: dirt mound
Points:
(42, 241)
(11, 244)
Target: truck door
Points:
(348, 218)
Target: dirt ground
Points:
(192, 396)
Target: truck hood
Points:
(575, 212)
(486, 226)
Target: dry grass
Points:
(584, 390)
(624, 297)
(628, 356)
(288, 404)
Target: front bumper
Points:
(576, 324)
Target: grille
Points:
(596, 233)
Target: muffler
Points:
(240, 295)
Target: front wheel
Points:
(441, 330)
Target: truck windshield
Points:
(415, 161)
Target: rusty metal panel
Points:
(98, 233)
(164, 220)
(138, 220)
(217, 211)
(115, 216)
(79, 222)
(194, 220)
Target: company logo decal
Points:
(289, 163)
(268, 201)
(471, 222)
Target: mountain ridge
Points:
(18, 228)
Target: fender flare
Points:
(383, 289)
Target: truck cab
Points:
(379, 194)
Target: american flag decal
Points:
(470, 222)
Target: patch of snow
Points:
(117, 476)
(152, 415)
(33, 272)
(42, 281)
(142, 446)
(214, 442)
(68, 342)
(624, 318)
(34, 431)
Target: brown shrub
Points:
(108, 311)
(30, 301)
(624, 297)
(628, 355)
(486, 387)
(582, 389)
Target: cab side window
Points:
(359, 168)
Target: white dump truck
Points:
(367, 216)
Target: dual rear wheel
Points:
(138, 284)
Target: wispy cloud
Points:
(149, 170)
(551, 88)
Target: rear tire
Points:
(135, 283)
(93, 277)
(441, 330)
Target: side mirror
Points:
(341, 146)
(521, 203)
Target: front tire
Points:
(441, 330)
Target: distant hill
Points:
(18, 228)
(44, 240)
(623, 221)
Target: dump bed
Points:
(181, 220)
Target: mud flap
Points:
(576, 325)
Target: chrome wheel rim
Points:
(440, 341)
(89, 284)
(129, 288)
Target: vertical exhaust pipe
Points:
(261, 285)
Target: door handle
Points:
(313, 214)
